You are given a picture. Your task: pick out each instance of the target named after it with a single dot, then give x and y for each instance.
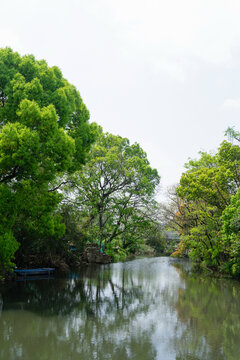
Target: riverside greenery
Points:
(44, 131)
(208, 212)
(64, 181)
(45, 138)
(114, 194)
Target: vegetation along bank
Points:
(67, 186)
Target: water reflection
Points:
(145, 309)
(210, 310)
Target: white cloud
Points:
(167, 31)
(232, 103)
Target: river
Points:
(145, 309)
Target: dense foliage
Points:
(114, 192)
(44, 131)
(207, 215)
(45, 138)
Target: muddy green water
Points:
(146, 309)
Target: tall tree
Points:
(114, 189)
(44, 131)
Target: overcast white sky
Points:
(164, 73)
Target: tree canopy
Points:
(207, 214)
(114, 190)
(44, 131)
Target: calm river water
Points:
(146, 309)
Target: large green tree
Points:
(44, 131)
(205, 191)
(113, 192)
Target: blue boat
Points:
(39, 271)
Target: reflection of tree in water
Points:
(210, 310)
(89, 317)
(145, 310)
(1, 303)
